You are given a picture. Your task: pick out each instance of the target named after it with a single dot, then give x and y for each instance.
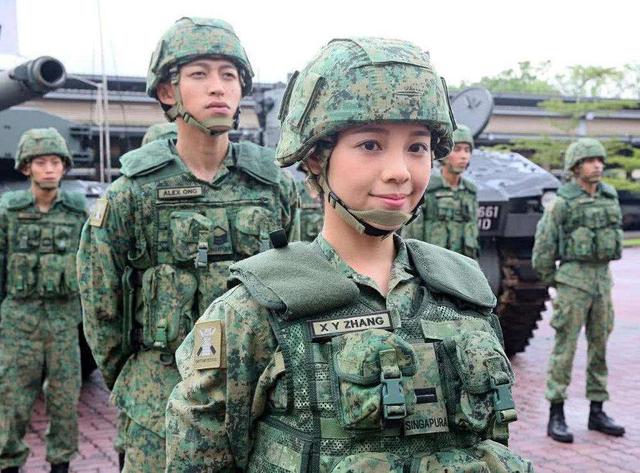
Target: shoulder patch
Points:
(569, 191)
(257, 161)
(99, 213)
(146, 159)
(17, 199)
(209, 349)
(435, 183)
(74, 200)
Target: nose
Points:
(396, 168)
(214, 85)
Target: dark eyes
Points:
(419, 148)
(370, 145)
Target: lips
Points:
(393, 201)
(218, 106)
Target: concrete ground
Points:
(592, 452)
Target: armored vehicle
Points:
(24, 82)
(512, 192)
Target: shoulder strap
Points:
(608, 190)
(296, 280)
(16, 200)
(435, 183)
(257, 161)
(569, 191)
(75, 201)
(470, 185)
(448, 272)
(147, 159)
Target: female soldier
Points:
(359, 352)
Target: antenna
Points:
(473, 107)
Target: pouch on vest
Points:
(437, 233)
(471, 239)
(370, 462)
(190, 236)
(51, 276)
(373, 370)
(486, 378)
(21, 274)
(271, 389)
(446, 206)
(580, 244)
(212, 282)
(252, 230)
(609, 240)
(167, 294)
(62, 238)
(454, 460)
(500, 459)
(28, 237)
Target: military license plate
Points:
(488, 217)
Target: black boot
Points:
(60, 467)
(121, 460)
(557, 428)
(11, 469)
(601, 422)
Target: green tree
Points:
(528, 77)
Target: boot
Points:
(601, 422)
(557, 427)
(10, 469)
(60, 467)
(121, 460)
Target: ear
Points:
(314, 164)
(166, 93)
(26, 169)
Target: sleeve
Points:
(102, 256)
(209, 415)
(545, 248)
(290, 206)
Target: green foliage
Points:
(528, 77)
(624, 162)
(623, 184)
(544, 151)
(589, 81)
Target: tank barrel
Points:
(30, 80)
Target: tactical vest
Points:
(591, 229)
(188, 233)
(450, 219)
(42, 247)
(353, 388)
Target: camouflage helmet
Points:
(160, 131)
(190, 38)
(39, 142)
(582, 149)
(360, 80)
(463, 134)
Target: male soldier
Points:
(450, 208)
(40, 312)
(157, 248)
(310, 210)
(582, 230)
(160, 131)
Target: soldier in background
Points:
(40, 311)
(581, 229)
(310, 209)
(157, 248)
(160, 131)
(359, 352)
(449, 212)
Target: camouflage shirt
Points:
(176, 236)
(552, 235)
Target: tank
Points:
(27, 81)
(512, 192)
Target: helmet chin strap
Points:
(213, 126)
(46, 185)
(359, 219)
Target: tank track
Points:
(521, 300)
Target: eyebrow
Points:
(207, 65)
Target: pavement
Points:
(591, 452)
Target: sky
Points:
(467, 39)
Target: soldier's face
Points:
(45, 171)
(381, 166)
(459, 158)
(590, 170)
(208, 87)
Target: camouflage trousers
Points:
(44, 353)
(144, 450)
(572, 309)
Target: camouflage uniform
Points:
(310, 214)
(306, 366)
(40, 310)
(449, 214)
(158, 246)
(584, 233)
